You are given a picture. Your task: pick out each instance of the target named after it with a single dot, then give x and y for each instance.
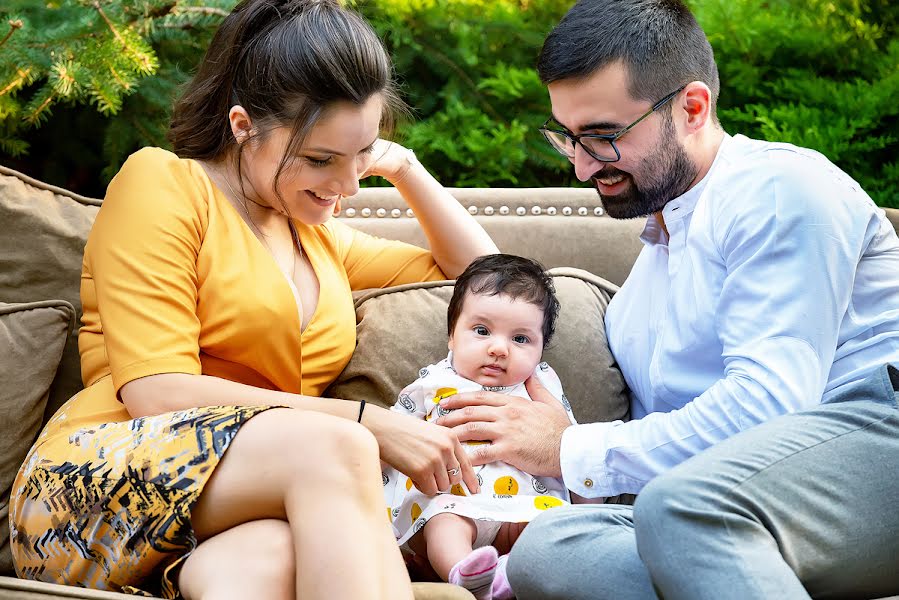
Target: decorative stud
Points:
(521, 211)
(472, 210)
(551, 211)
(381, 212)
(503, 210)
(410, 213)
(396, 213)
(566, 210)
(351, 212)
(536, 210)
(582, 211)
(489, 210)
(598, 211)
(366, 212)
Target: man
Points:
(768, 286)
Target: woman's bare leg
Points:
(322, 475)
(215, 570)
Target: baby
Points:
(501, 317)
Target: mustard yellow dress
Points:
(174, 281)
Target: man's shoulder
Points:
(761, 175)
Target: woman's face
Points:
(334, 156)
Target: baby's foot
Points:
(501, 588)
(475, 572)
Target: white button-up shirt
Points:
(778, 283)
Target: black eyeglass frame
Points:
(609, 137)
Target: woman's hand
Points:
(430, 455)
(391, 161)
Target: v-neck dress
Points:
(174, 281)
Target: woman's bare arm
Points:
(454, 236)
(423, 451)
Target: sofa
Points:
(44, 229)
(399, 329)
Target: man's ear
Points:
(449, 343)
(697, 105)
(241, 124)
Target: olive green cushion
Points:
(44, 229)
(401, 329)
(32, 337)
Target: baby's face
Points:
(497, 341)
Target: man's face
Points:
(654, 166)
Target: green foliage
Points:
(823, 74)
(120, 60)
(79, 91)
(467, 68)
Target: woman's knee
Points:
(307, 442)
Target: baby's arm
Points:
(550, 380)
(411, 401)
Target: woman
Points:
(217, 308)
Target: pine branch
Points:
(146, 62)
(13, 25)
(17, 82)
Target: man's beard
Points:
(669, 174)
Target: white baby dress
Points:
(507, 494)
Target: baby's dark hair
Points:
(517, 277)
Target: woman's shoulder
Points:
(159, 162)
(157, 174)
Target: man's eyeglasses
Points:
(600, 146)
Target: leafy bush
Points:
(818, 73)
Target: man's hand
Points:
(527, 435)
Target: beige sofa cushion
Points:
(401, 329)
(44, 232)
(32, 336)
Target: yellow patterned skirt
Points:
(107, 505)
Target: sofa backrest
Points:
(560, 227)
(45, 228)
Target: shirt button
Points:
(588, 483)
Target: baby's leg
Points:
(447, 539)
(506, 536)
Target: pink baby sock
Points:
(501, 588)
(475, 572)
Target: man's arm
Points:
(790, 255)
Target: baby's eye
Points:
(481, 330)
(318, 163)
(521, 339)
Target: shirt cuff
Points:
(582, 457)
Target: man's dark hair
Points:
(659, 41)
(517, 277)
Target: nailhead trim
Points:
(504, 210)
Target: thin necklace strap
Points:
(298, 248)
(295, 235)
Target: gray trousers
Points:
(806, 505)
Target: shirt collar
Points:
(680, 207)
